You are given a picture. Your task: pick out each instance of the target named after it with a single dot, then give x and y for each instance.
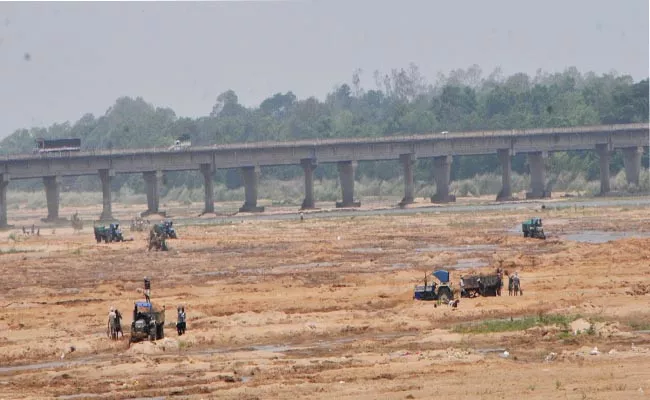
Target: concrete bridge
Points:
(536, 143)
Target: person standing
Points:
(147, 289)
(500, 284)
(180, 324)
(516, 284)
(462, 287)
(111, 323)
(178, 320)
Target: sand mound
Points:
(580, 325)
(600, 329)
(157, 347)
(639, 289)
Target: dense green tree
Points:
(401, 102)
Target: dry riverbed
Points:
(323, 308)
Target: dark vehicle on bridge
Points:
(44, 146)
(182, 142)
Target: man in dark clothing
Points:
(180, 324)
(147, 289)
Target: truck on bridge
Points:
(57, 145)
(182, 142)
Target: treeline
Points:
(401, 101)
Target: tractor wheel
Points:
(444, 295)
(162, 331)
(152, 334)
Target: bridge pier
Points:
(442, 175)
(308, 166)
(603, 159)
(52, 194)
(632, 163)
(208, 185)
(537, 176)
(250, 175)
(408, 160)
(4, 182)
(346, 177)
(151, 183)
(505, 194)
(106, 176)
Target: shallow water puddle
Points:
(602, 237)
(45, 365)
(467, 263)
(461, 248)
(366, 250)
(308, 265)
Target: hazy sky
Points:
(84, 55)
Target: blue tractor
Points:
(111, 234)
(533, 228)
(168, 228)
(148, 322)
(442, 291)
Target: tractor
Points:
(168, 227)
(111, 234)
(148, 322)
(481, 285)
(158, 238)
(442, 292)
(533, 228)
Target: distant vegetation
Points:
(518, 324)
(399, 102)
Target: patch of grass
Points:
(14, 250)
(184, 345)
(516, 324)
(638, 321)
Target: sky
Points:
(82, 56)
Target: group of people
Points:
(514, 285)
(27, 232)
(114, 323)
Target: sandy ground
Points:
(323, 308)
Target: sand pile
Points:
(157, 347)
(600, 329)
(638, 289)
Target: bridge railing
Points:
(328, 142)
